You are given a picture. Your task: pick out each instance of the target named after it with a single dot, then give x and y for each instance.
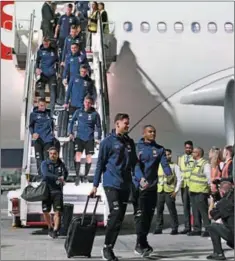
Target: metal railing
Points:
(103, 79)
(26, 83)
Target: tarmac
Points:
(33, 244)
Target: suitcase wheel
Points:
(89, 256)
(68, 256)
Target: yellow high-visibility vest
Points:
(162, 180)
(185, 169)
(198, 182)
(92, 27)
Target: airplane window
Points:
(127, 26)
(145, 27)
(179, 27)
(212, 27)
(162, 27)
(228, 27)
(196, 28)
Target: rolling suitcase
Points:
(63, 120)
(66, 219)
(81, 234)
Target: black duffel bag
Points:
(33, 194)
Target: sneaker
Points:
(108, 254)
(216, 256)
(55, 234)
(50, 233)
(143, 251)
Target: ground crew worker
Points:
(54, 173)
(79, 87)
(73, 63)
(46, 63)
(199, 187)
(92, 24)
(48, 20)
(150, 155)
(63, 28)
(41, 127)
(88, 119)
(74, 37)
(116, 161)
(167, 194)
(186, 164)
(215, 160)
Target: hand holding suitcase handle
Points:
(94, 211)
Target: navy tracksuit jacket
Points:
(40, 122)
(46, 61)
(116, 161)
(88, 121)
(150, 156)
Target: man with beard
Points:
(54, 174)
(186, 164)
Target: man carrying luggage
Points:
(150, 155)
(88, 119)
(54, 174)
(116, 161)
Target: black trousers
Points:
(41, 152)
(52, 82)
(60, 47)
(117, 200)
(47, 30)
(162, 198)
(186, 203)
(200, 210)
(144, 213)
(218, 231)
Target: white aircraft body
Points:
(159, 62)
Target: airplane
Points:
(166, 53)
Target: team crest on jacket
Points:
(52, 54)
(85, 83)
(80, 114)
(154, 153)
(128, 147)
(70, 20)
(89, 117)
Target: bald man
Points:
(199, 188)
(150, 155)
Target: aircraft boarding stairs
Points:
(72, 194)
(65, 153)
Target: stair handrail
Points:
(105, 95)
(26, 82)
(28, 98)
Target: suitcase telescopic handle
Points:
(95, 208)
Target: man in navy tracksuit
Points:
(116, 161)
(79, 87)
(54, 173)
(41, 127)
(88, 119)
(63, 28)
(74, 37)
(46, 71)
(73, 62)
(150, 155)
